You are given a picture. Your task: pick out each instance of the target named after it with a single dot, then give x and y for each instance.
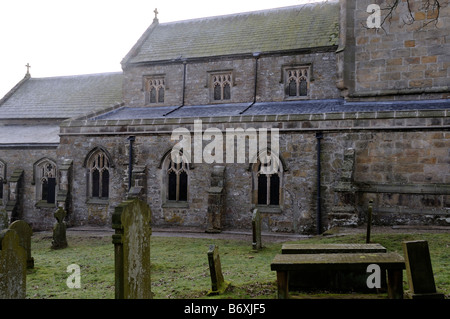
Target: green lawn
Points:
(180, 265)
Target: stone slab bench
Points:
(393, 263)
(332, 280)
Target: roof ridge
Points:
(262, 11)
(77, 75)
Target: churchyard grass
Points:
(180, 265)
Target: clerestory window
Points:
(155, 88)
(221, 84)
(297, 81)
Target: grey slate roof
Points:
(281, 29)
(270, 108)
(63, 97)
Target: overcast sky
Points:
(68, 37)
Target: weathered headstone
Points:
(419, 270)
(3, 219)
(13, 266)
(59, 230)
(131, 221)
(218, 284)
(25, 232)
(256, 230)
(216, 202)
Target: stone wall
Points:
(24, 158)
(401, 60)
(399, 159)
(198, 89)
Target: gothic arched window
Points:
(98, 164)
(175, 179)
(222, 86)
(99, 176)
(297, 82)
(268, 183)
(155, 89)
(45, 173)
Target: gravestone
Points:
(216, 202)
(25, 232)
(59, 230)
(131, 222)
(3, 219)
(13, 266)
(218, 284)
(256, 230)
(419, 270)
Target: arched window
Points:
(222, 86)
(99, 173)
(297, 82)
(98, 164)
(155, 89)
(268, 182)
(175, 177)
(45, 173)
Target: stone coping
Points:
(408, 119)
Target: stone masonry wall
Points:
(198, 87)
(38, 217)
(400, 160)
(401, 57)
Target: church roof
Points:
(319, 107)
(62, 97)
(282, 29)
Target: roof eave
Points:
(328, 48)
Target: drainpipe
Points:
(319, 136)
(184, 90)
(131, 139)
(256, 56)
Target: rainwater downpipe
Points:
(131, 139)
(184, 90)
(256, 56)
(319, 136)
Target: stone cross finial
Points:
(28, 68)
(156, 13)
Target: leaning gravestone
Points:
(218, 284)
(13, 266)
(131, 221)
(24, 231)
(59, 230)
(419, 270)
(256, 230)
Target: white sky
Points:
(68, 37)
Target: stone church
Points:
(360, 113)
